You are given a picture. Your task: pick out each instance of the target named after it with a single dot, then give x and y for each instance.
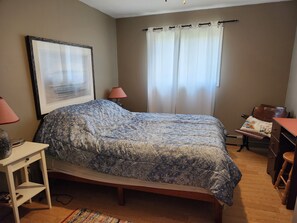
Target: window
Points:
(183, 69)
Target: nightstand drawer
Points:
(26, 161)
(276, 129)
(274, 145)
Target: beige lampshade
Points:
(117, 92)
(7, 115)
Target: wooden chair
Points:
(262, 112)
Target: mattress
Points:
(54, 165)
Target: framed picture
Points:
(62, 73)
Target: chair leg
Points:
(245, 143)
(280, 174)
(285, 196)
(241, 147)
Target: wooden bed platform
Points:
(217, 206)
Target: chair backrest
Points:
(267, 112)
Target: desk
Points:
(20, 158)
(283, 139)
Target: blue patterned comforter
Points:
(176, 149)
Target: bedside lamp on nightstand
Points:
(7, 116)
(117, 93)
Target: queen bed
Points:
(179, 155)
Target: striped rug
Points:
(84, 215)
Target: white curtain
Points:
(183, 69)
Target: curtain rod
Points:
(200, 24)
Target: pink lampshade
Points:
(117, 92)
(7, 115)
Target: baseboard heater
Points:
(234, 137)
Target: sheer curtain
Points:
(183, 69)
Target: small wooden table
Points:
(21, 157)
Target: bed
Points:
(172, 154)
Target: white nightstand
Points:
(21, 157)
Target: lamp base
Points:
(5, 145)
(117, 101)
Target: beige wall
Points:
(65, 20)
(255, 62)
(291, 99)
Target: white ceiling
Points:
(131, 8)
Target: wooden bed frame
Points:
(218, 207)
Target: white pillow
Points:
(255, 125)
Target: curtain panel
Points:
(184, 68)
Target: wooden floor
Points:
(255, 200)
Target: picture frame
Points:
(62, 73)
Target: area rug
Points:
(84, 215)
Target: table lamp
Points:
(117, 93)
(7, 116)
